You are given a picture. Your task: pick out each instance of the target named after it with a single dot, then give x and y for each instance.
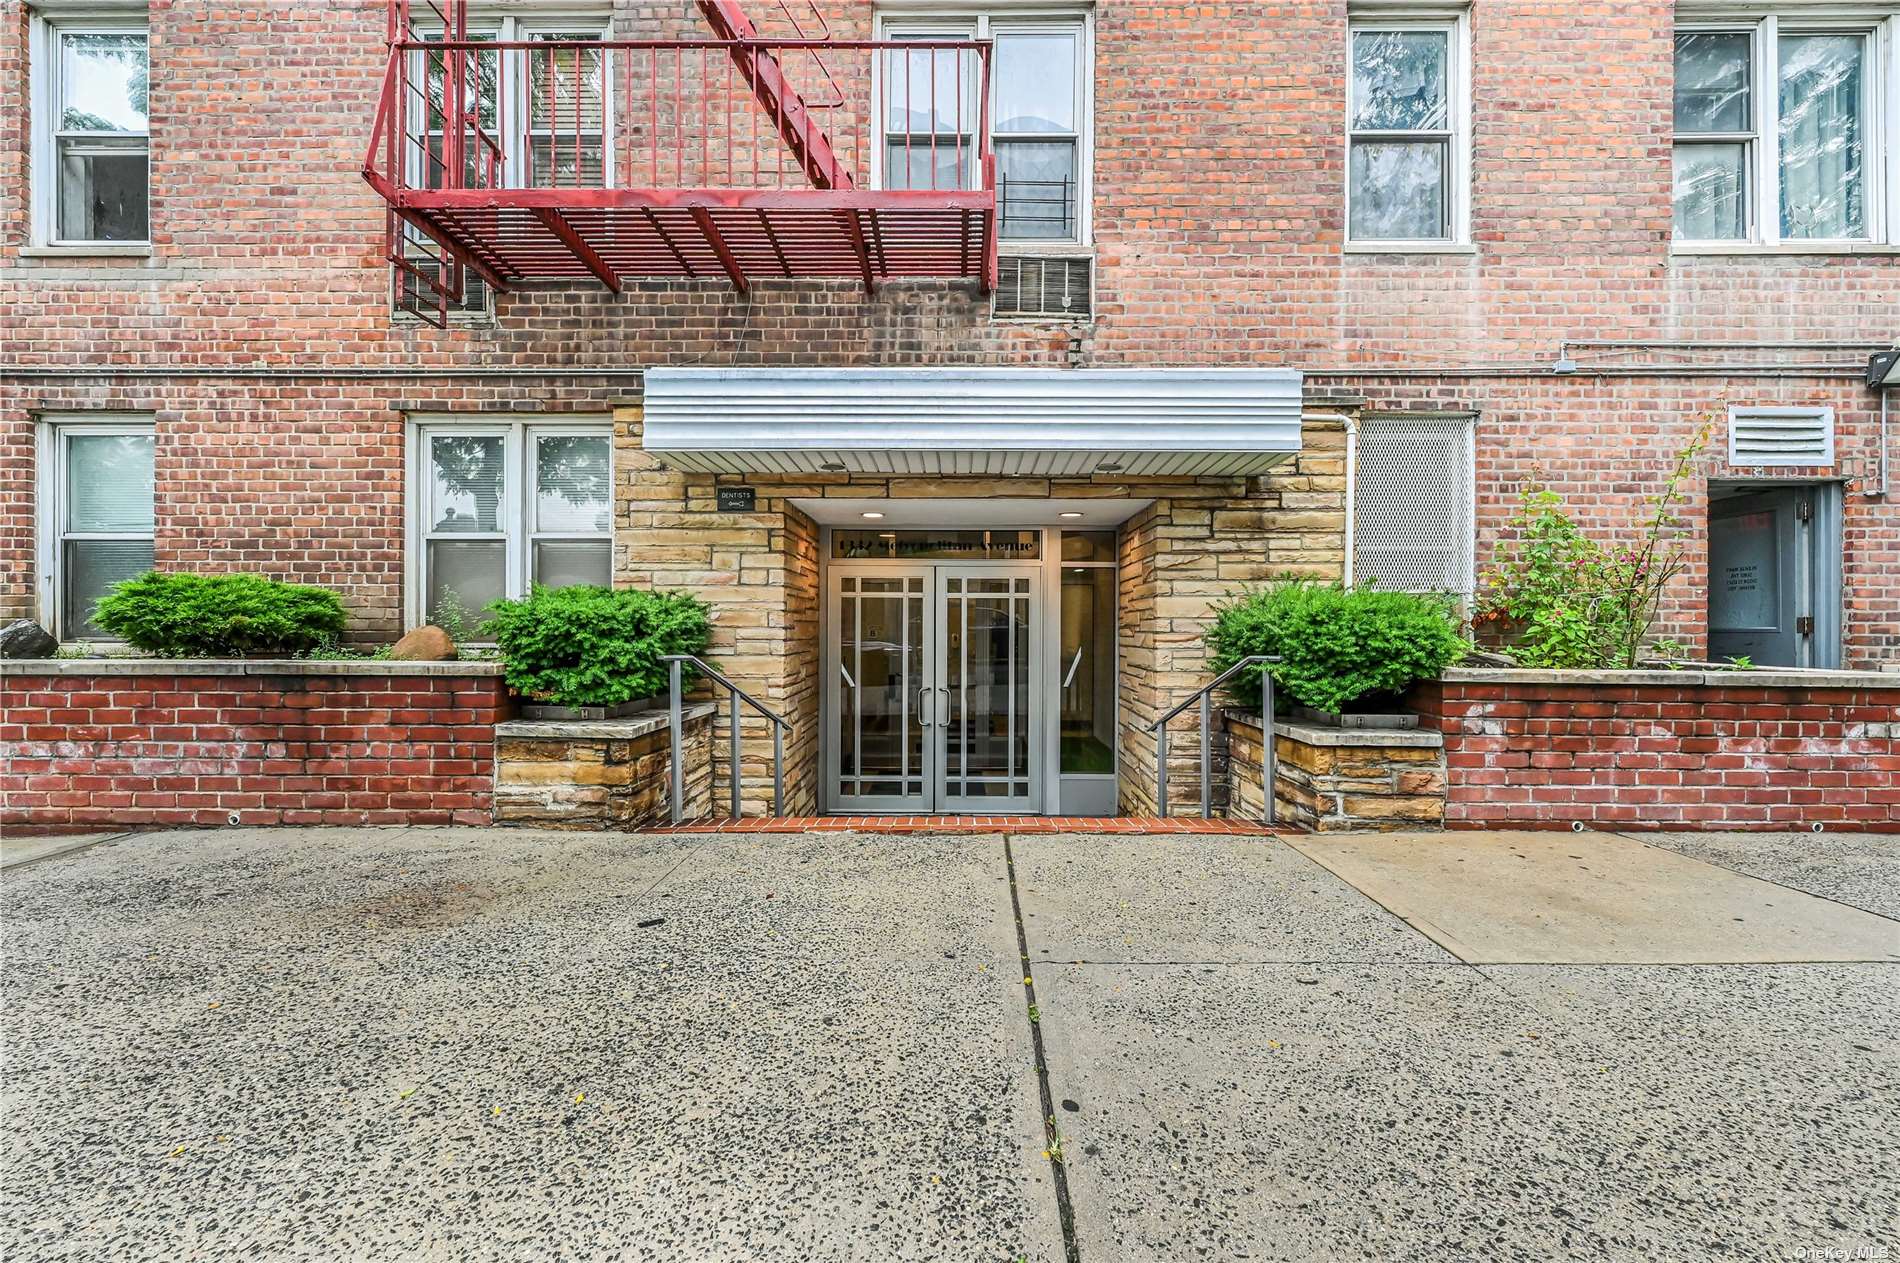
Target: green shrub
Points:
(587, 646)
(1337, 646)
(220, 616)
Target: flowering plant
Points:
(1561, 599)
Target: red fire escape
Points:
(738, 157)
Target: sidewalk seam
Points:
(1065, 1206)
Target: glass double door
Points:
(933, 683)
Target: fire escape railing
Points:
(678, 114)
(566, 125)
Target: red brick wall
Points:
(1668, 756)
(1220, 161)
(114, 751)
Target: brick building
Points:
(1250, 288)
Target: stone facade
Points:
(1339, 780)
(613, 774)
(1198, 541)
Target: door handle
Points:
(923, 711)
(943, 716)
(1070, 677)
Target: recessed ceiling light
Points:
(872, 516)
(1108, 469)
(1068, 515)
(833, 467)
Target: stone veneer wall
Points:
(1200, 539)
(1338, 780)
(611, 774)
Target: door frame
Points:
(1817, 550)
(1045, 709)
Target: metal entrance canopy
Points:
(1008, 422)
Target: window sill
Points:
(1048, 250)
(1745, 249)
(1408, 247)
(100, 250)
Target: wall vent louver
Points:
(1056, 288)
(1780, 436)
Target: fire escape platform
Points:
(737, 235)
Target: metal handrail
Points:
(675, 671)
(1205, 696)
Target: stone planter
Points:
(605, 774)
(548, 713)
(1339, 780)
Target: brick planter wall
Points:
(90, 745)
(1763, 750)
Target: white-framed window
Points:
(96, 514)
(1413, 524)
(1408, 121)
(550, 114)
(501, 505)
(1784, 128)
(1041, 103)
(91, 132)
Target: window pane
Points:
(465, 577)
(1088, 545)
(92, 566)
(1036, 185)
(468, 474)
(1035, 83)
(912, 165)
(102, 191)
(561, 563)
(1088, 671)
(571, 493)
(102, 82)
(1822, 178)
(1400, 80)
(1711, 192)
(1712, 76)
(1398, 190)
(929, 89)
(109, 484)
(566, 83)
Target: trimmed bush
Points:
(588, 646)
(220, 616)
(1339, 647)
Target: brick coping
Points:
(1761, 677)
(971, 824)
(123, 666)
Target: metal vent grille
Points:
(1413, 504)
(1781, 436)
(1053, 287)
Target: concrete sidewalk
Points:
(477, 1044)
